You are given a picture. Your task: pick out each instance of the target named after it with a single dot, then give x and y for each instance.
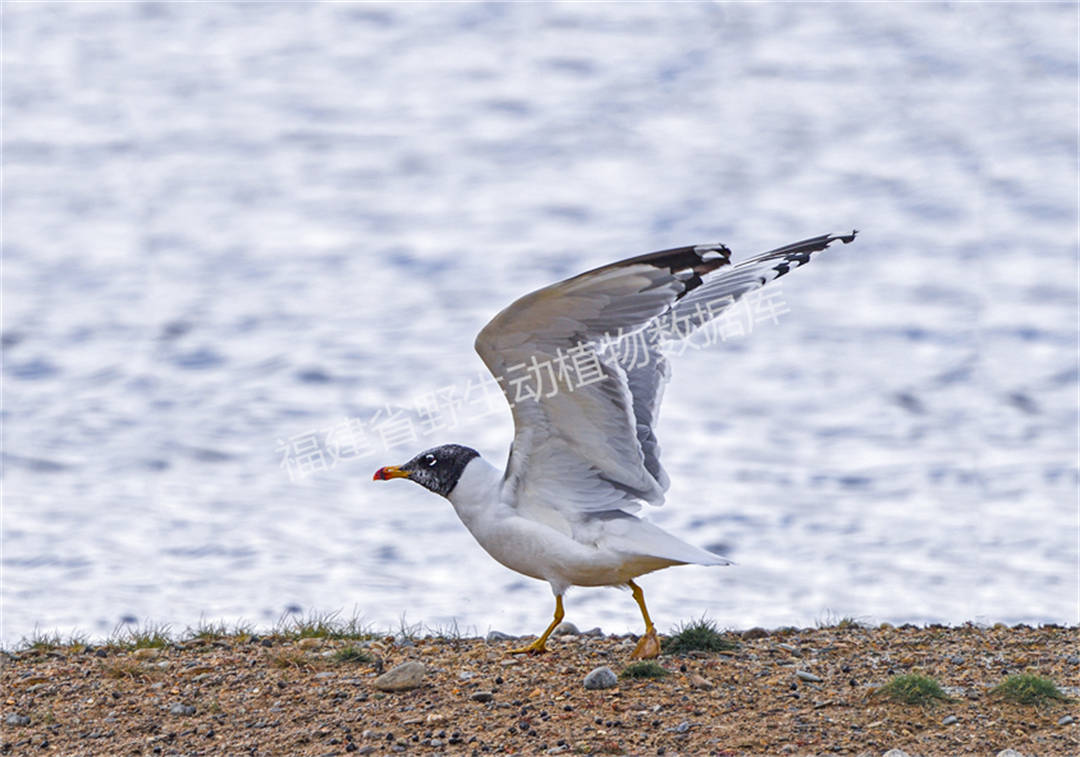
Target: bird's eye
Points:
(431, 460)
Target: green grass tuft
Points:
(1028, 689)
(326, 625)
(698, 635)
(208, 631)
(41, 642)
(134, 637)
(838, 622)
(352, 654)
(450, 633)
(644, 669)
(913, 689)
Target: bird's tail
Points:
(639, 537)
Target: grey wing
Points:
(727, 287)
(583, 439)
(585, 447)
(648, 373)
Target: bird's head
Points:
(437, 469)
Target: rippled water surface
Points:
(228, 226)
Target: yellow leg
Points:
(649, 645)
(538, 646)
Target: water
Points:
(229, 225)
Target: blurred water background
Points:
(229, 228)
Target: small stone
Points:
(950, 720)
(1065, 720)
(566, 628)
(482, 696)
(700, 682)
(682, 727)
(309, 643)
(756, 632)
(896, 753)
(956, 660)
(408, 675)
(365, 750)
(146, 653)
(1009, 753)
(805, 676)
(436, 717)
(594, 632)
(324, 674)
(601, 678)
(181, 709)
(465, 675)
(494, 636)
(1073, 659)
(15, 719)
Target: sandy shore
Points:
(776, 692)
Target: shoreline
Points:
(316, 690)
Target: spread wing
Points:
(581, 364)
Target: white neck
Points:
(477, 490)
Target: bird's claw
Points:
(648, 647)
(537, 647)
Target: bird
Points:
(591, 353)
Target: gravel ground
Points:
(778, 692)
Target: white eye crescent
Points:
(431, 460)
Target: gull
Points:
(583, 364)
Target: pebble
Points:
(805, 676)
(407, 675)
(949, 720)
(682, 727)
(181, 709)
(465, 675)
(1065, 720)
(1073, 659)
(15, 719)
(896, 753)
(494, 636)
(594, 632)
(601, 678)
(755, 633)
(956, 660)
(566, 628)
(1009, 753)
(309, 643)
(700, 682)
(146, 653)
(482, 696)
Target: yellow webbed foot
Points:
(648, 647)
(537, 647)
